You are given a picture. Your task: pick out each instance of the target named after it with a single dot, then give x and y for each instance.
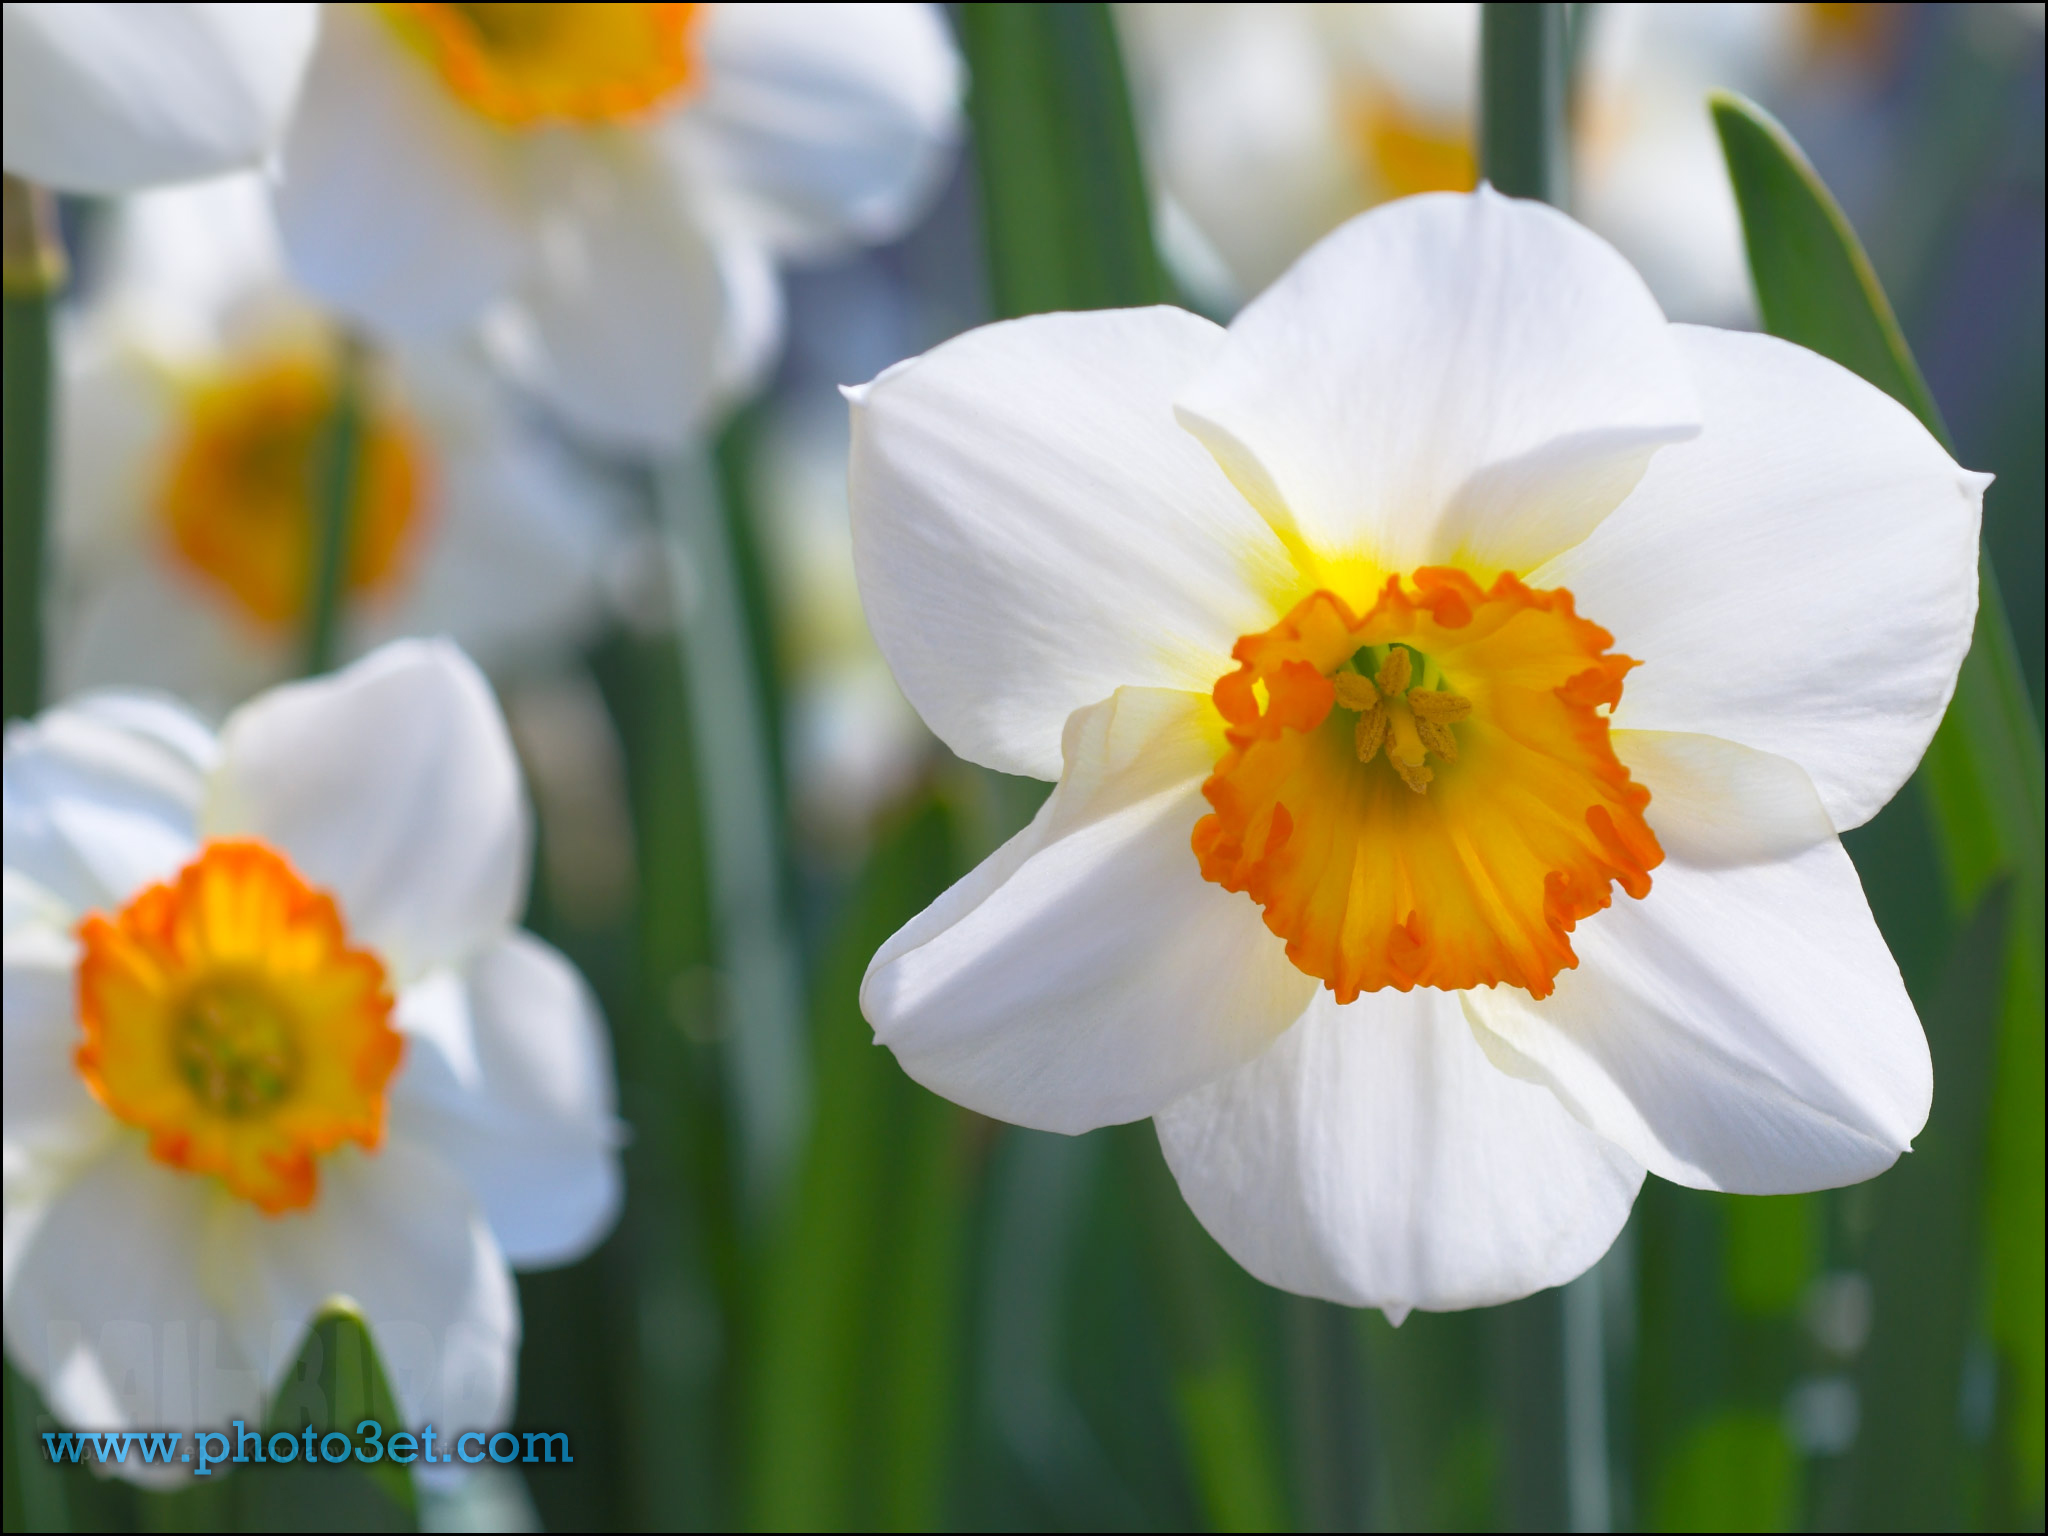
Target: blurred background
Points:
(835, 1301)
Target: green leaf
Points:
(34, 270)
(854, 1396)
(335, 1384)
(1928, 1231)
(1982, 776)
(1814, 285)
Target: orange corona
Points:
(1425, 795)
(237, 502)
(1410, 152)
(226, 1014)
(523, 66)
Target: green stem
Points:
(1524, 73)
(729, 727)
(1216, 1391)
(33, 273)
(38, 1486)
(1065, 214)
(1524, 145)
(336, 471)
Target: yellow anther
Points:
(1371, 732)
(1395, 673)
(1438, 708)
(1354, 692)
(1437, 738)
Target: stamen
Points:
(1437, 738)
(1372, 729)
(1354, 692)
(1438, 708)
(1395, 673)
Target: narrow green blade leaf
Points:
(1908, 1455)
(1814, 285)
(1983, 774)
(855, 1388)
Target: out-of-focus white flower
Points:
(272, 1037)
(109, 98)
(1647, 167)
(1302, 615)
(610, 183)
(854, 744)
(1268, 125)
(197, 388)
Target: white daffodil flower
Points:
(1268, 125)
(197, 387)
(611, 183)
(273, 1037)
(111, 98)
(1456, 677)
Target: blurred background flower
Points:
(1270, 124)
(110, 98)
(197, 386)
(610, 184)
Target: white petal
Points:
(50, 1118)
(1032, 531)
(1086, 973)
(109, 98)
(1244, 128)
(398, 205)
(750, 342)
(103, 795)
(145, 624)
(1739, 1028)
(391, 784)
(1375, 1157)
(528, 1117)
(1802, 579)
(179, 262)
(1714, 804)
(821, 125)
(515, 550)
(398, 1235)
(624, 307)
(1449, 379)
(112, 1306)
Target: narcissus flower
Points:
(273, 1037)
(1271, 124)
(198, 388)
(109, 98)
(611, 183)
(1456, 679)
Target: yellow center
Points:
(525, 65)
(239, 499)
(226, 1014)
(1426, 795)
